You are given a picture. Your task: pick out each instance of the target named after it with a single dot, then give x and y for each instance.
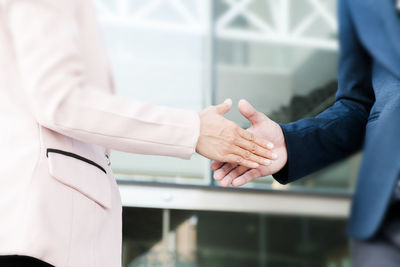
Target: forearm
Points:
(64, 97)
(339, 131)
(315, 143)
(122, 124)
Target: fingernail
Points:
(267, 162)
(217, 175)
(254, 165)
(238, 182)
(228, 101)
(270, 145)
(274, 156)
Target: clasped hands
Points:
(241, 156)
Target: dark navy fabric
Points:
(366, 111)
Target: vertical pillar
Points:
(262, 241)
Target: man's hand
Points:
(261, 126)
(223, 140)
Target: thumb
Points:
(224, 107)
(250, 112)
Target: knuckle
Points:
(236, 140)
(234, 128)
(226, 168)
(225, 130)
(237, 173)
(247, 155)
(222, 150)
(239, 160)
(253, 148)
(251, 137)
(208, 110)
(229, 148)
(231, 139)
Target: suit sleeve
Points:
(46, 40)
(338, 132)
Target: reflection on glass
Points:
(283, 59)
(279, 55)
(158, 54)
(215, 239)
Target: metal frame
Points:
(147, 195)
(279, 32)
(123, 15)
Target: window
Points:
(159, 54)
(214, 239)
(281, 55)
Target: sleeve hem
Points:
(282, 176)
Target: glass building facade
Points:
(280, 55)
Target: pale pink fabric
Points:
(56, 92)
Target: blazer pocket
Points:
(81, 174)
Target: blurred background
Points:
(281, 55)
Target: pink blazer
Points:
(59, 201)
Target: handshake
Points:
(240, 156)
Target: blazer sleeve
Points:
(45, 35)
(338, 132)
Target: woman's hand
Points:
(261, 125)
(224, 141)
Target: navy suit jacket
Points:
(366, 112)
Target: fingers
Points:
(250, 112)
(246, 177)
(238, 160)
(251, 156)
(249, 146)
(223, 171)
(224, 107)
(224, 141)
(249, 136)
(237, 176)
(215, 165)
(244, 148)
(234, 173)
